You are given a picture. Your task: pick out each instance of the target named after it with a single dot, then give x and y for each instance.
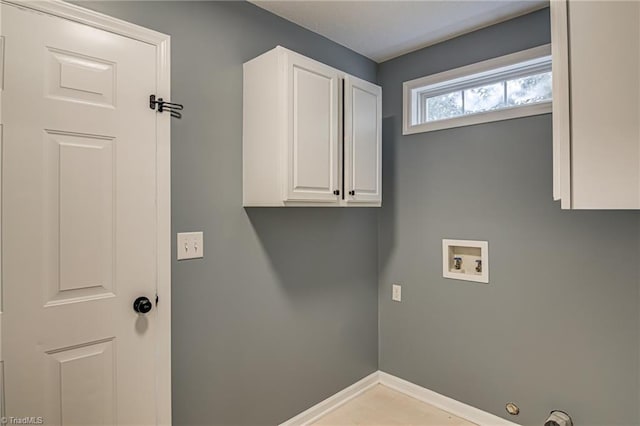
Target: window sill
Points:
(483, 117)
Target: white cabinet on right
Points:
(596, 103)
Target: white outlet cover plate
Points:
(396, 292)
(190, 245)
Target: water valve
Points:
(457, 263)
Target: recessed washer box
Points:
(465, 260)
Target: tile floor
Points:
(383, 406)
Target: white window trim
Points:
(484, 117)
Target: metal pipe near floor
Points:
(558, 418)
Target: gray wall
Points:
(282, 311)
(558, 324)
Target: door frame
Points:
(162, 44)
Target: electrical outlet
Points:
(396, 292)
(190, 245)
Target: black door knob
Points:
(142, 305)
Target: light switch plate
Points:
(190, 245)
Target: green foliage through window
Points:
(489, 97)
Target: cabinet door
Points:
(363, 141)
(561, 102)
(312, 127)
(604, 51)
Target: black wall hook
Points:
(165, 106)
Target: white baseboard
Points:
(333, 402)
(442, 402)
(457, 408)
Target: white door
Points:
(312, 129)
(363, 141)
(79, 222)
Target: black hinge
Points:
(165, 106)
(336, 192)
(157, 298)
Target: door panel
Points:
(363, 141)
(79, 222)
(313, 131)
(83, 210)
(76, 77)
(82, 383)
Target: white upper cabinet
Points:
(362, 141)
(596, 105)
(311, 134)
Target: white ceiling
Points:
(382, 30)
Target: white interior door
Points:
(363, 141)
(79, 219)
(313, 127)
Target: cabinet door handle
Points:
(352, 192)
(336, 192)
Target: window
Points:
(510, 86)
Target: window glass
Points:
(484, 98)
(529, 89)
(444, 106)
